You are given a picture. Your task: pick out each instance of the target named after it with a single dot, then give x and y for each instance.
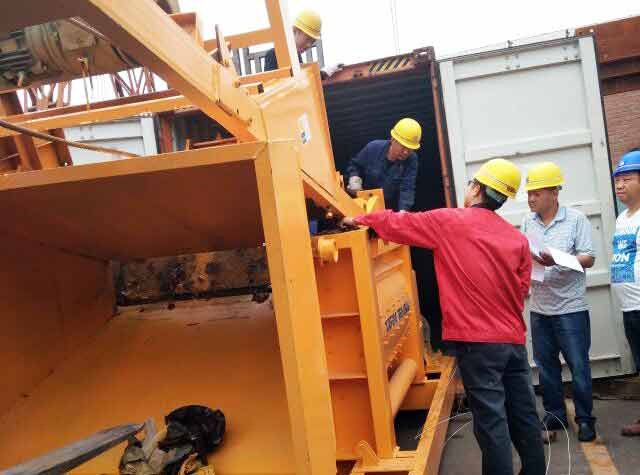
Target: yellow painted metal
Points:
(370, 200)
(142, 365)
(243, 40)
(97, 115)
(400, 383)
(306, 384)
(145, 207)
(294, 108)
(284, 45)
(328, 250)
(297, 308)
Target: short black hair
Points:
(487, 201)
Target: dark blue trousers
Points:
(569, 334)
(632, 330)
(497, 380)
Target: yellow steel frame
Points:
(296, 304)
(346, 318)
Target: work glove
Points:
(355, 185)
(328, 71)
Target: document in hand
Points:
(536, 243)
(537, 272)
(565, 260)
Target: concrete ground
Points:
(611, 454)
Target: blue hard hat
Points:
(630, 162)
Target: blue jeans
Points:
(569, 334)
(497, 380)
(632, 330)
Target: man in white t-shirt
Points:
(625, 267)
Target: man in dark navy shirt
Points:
(389, 164)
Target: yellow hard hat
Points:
(408, 133)
(544, 175)
(310, 23)
(500, 175)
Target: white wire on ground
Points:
(424, 429)
(546, 472)
(568, 440)
(458, 430)
(548, 464)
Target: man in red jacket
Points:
(483, 267)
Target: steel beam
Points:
(282, 35)
(145, 32)
(243, 40)
(149, 35)
(95, 115)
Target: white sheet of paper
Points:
(537, 272)
(536, 243)
(565, 260)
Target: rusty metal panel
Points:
(382, 66)
(616, 39)
(193, 275)
(618, 48)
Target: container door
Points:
(534, 103)
(135, 135)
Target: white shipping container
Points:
(134, 135)
(533, 103)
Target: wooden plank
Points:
(295, 298)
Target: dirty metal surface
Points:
(239, 271)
